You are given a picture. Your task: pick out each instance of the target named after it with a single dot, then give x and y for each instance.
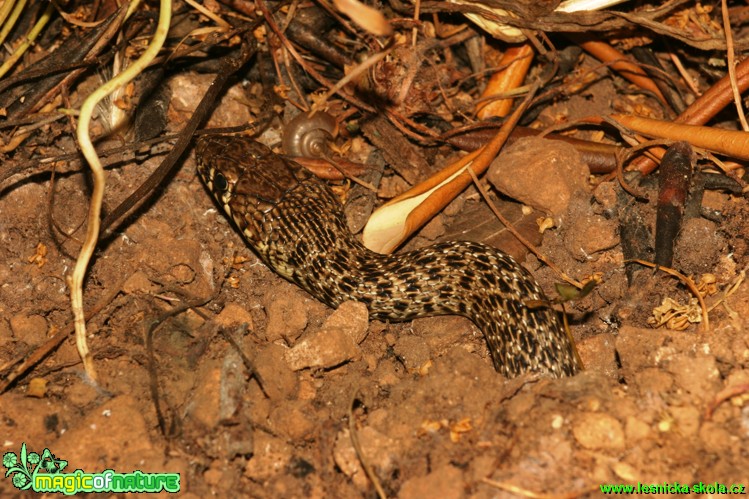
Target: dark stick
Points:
(229, 65)
(673, 186)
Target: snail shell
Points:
(309, 137)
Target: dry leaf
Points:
(366, 17)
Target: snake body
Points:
(295, 223)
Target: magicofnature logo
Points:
(45, 473)
(27, 465)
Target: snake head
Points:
(246, 178)
(233, 166)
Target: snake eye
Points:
(220, 183)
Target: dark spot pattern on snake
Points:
(295, 224)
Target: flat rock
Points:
(544, 174)
(325, 348)
(335, 342)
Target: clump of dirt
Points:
(213, 367)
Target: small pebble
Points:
(598, 431)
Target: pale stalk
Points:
(4, 11)
(10, 21)
(23, 47)
(97, 196)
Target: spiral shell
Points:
(305, 136)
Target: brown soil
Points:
(431, 416)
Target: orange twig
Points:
(703, 109)
(621, 64)
(403, 215)
(515, 63)
(729, 142)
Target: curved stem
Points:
(97, 196)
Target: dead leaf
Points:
(364, 16)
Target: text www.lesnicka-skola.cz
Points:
(673, 488)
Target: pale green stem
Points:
(21, 49)
(4, 11)
(97, 196)
(9, 22)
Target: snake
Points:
(295, 223)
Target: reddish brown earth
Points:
(432, 417)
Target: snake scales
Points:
(295, 224)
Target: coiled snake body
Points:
(295, 224)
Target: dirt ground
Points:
(432, 418)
